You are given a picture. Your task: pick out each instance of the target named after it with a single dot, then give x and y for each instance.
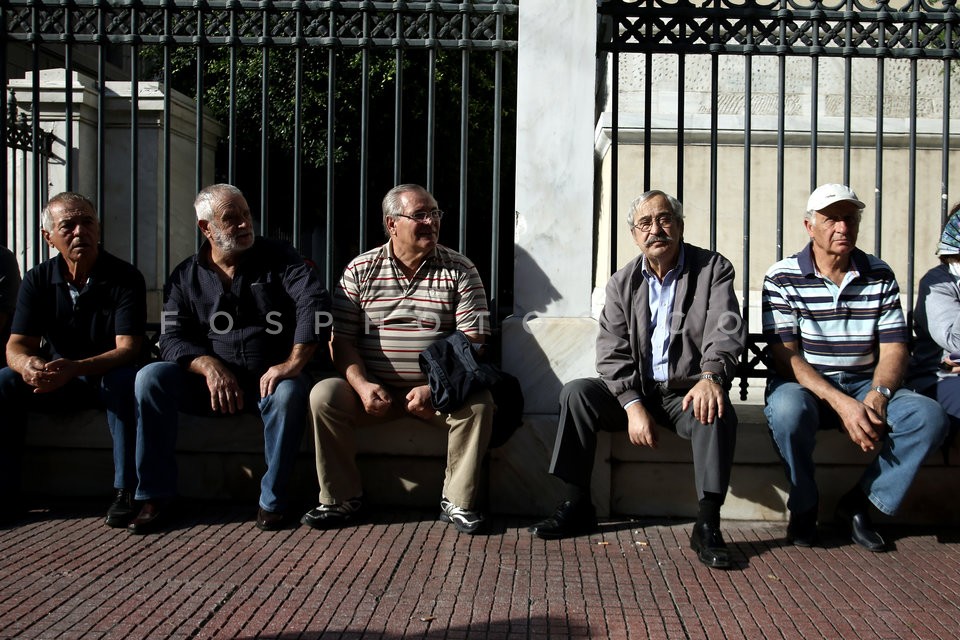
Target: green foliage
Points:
(344, 175)
(316, 65)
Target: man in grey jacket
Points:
(670, 336)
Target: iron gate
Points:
(781, 33)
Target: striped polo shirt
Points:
(392, 319)
(839, 327)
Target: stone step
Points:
(403, 464)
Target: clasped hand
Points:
(864, 422)
(45, 377)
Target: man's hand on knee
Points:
(419, 403)
(376, 400)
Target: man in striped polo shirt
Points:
(838, 340)
(392, 303)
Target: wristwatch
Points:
(713, 377)
(884, 391)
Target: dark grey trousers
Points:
(586, 407)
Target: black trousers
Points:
(586, 407)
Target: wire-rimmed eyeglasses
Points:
(423, 216)
(664, 221)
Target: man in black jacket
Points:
(241, 320)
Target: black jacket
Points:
(453, 373)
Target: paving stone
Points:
(404, 574)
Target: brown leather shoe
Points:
(153, 515)
(270, 521)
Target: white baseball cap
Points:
(827, 194)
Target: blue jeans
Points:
(947, 392)
(164, 388)
(113, 391)
(916, 426)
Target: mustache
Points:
(662, 237)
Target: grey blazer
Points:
(707, 331)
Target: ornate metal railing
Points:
(912, 29)
(452, 25)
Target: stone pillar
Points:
(151, 233)
(550, 339)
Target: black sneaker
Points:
(464, 520)
(122, 511)
(331, 516)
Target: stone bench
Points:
(222, 458)
(640, 481)
(403, 463)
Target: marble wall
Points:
(151, 233)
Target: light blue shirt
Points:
(661, 298)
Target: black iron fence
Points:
(727, 39)
(324, 107)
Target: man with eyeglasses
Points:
(838, 339)
(670, 336)
(393, 302)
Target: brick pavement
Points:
(63, 574)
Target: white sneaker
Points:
(464, 520)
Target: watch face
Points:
(884, 391)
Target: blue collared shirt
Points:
(661, 298)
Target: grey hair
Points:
(393, 207)
(203, 204)
(65, 198)
(675, 207)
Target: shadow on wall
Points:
(523, 354)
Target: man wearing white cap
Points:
(837, 335)
(935, 354)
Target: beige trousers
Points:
(336, 412)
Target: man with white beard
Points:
(239, 326)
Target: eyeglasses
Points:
(664, 221)
(423, 216)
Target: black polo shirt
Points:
(113, 302)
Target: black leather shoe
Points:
(802, 530)
(572, 518)
(122, 510)
(153, 515)
(707, 541)
(269, 520)
(858, 523)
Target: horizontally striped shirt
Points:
(392, 319)
(839, 327)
